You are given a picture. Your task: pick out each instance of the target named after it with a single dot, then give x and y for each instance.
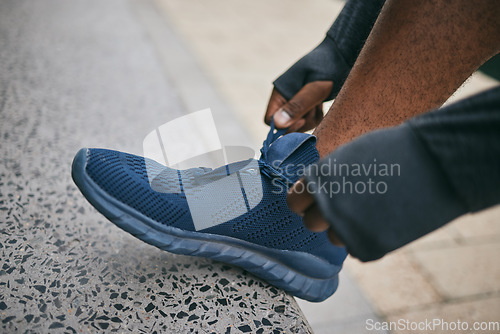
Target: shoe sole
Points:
(315, 281)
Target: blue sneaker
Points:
(265, 239)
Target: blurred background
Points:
(451, 274)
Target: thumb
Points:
(306, 99)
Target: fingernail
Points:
(282, 118)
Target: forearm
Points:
(417, 55)
(438, 166)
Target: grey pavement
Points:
(87, 73)
(346, 311)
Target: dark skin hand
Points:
(417, 55)
(303, 112)
(303, 203)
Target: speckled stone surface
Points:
(83, 73)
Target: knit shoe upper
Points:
(247, 212)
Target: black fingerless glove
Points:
(333, 59)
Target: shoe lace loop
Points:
(271, 137)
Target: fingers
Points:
(303, 112)
(302, 202)
(297, 126)
(313, 219)
(306, 99)
(299, 199)
(309, 121)
(276, 101)
(334, 239)
(312, 119)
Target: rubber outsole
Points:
(315, 280)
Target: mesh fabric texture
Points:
(269, 223)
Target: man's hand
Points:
(302, 202)
(303, 112)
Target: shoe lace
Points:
(265, 167)
(272, 135)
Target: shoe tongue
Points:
(291, 153)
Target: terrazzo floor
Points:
(83, 73)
